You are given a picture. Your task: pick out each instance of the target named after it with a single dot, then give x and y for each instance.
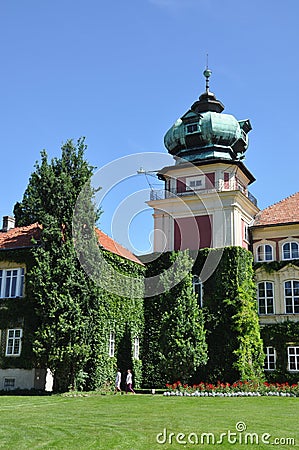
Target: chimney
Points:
(8, 223)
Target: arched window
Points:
(290, 250)
(197, 288)
(264, 253)
(291, 297)
(265, 295)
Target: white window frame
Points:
(262, 256)
(290, 243)
(198, 288)
(195, 183)
(111, 349)
(14, 342)
(270, 359)
(12, 282)
(266, 298)
(293, 358)
(291, 297)
(136, 347)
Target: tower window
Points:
(194, 183)
(192, 128)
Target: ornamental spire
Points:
(207, 73)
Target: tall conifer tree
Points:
(64, 296)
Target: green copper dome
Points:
(204, 132)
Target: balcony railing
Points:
(162, 194)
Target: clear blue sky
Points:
(121, 72)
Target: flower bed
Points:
(237, 389)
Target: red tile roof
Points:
(285, 211)
(20, 237)
(109, 244)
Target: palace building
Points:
(205, 203)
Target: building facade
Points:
(275, 246)
(206, 203)
(19, 367)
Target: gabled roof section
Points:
(284, 212)
(109, 244)
(20, 237)
(26, 237)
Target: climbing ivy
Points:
(274, 266)
(231, 320)
(14, 313)
(280, 336)
(106, 312)
(174, 343)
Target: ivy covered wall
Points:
(178, 339)
(280, 336)
(106, 312)
(174, 338)
(124, 316)
(18, 313)
(231, 334)
(229, 304)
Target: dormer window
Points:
(290, 250)
(265, 253)
(192, 128)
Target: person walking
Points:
(129, 382)
(117, 381)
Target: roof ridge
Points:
(280, 201)
(281, 212)
(120, 249)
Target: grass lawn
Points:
(134, 421)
